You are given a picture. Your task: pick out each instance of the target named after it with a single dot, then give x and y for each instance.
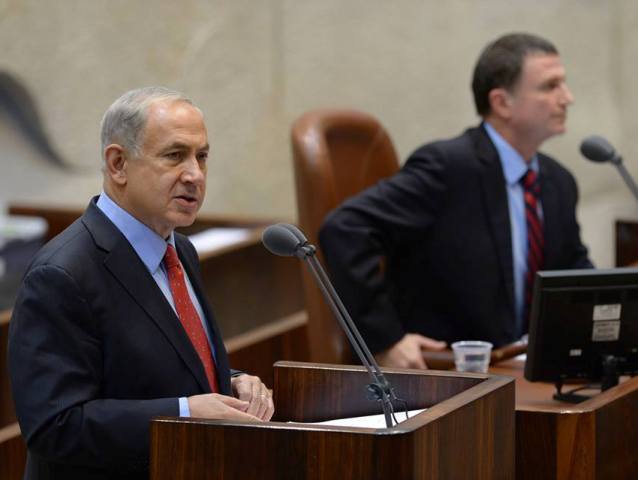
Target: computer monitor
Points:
(583, 325)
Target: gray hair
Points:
(125, 119)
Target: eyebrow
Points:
(553, 79)
(183, 146)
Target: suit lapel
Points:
(496, 208)
(124, 264)
(550, 203)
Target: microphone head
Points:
(280, 240)
(295, 231)
(598, 149)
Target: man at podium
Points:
(111, 326)
(447, 248)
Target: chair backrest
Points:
(337, 153)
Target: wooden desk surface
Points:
(531, 396)
(538, 396)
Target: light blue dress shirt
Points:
(150, 247)
(514, 168)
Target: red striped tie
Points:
(188, 315)
(535, 237)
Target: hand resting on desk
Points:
(408, 352)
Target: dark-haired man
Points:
(111, 327)
(467, 222)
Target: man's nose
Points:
(194, 171)
(567, 98)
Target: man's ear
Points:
(115, 163)
(500, 103)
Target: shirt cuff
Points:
(184, 411)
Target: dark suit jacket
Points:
(96, 351)
(429, 249)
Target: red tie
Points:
(535, 237)
(188, 315)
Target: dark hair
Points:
(500, 65)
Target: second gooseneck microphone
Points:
(598, 149)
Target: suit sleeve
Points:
(367, 234)
(56, 365)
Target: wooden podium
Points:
(467, 431)
(596, 439)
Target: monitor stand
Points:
(608, 380)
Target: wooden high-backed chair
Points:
(337, 153)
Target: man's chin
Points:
(187, 221)
(561, 125)
(184, 219)
(556, 130)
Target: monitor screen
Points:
(579, 319)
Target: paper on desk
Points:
(216, 238)
(369, 421)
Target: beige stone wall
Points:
(254, 66)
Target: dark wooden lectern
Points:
(467, 431)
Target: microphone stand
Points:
(380, 389)
(625, 175)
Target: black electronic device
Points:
(583, 327)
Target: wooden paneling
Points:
(249, 287)
(255, 351)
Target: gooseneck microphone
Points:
(287, 240)
(597, 149)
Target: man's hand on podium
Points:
(250, 389)
(253, 402)
(407, 352)
(219, 407)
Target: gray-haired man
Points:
(111, 327)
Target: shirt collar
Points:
(148, 245)
(514, 165)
